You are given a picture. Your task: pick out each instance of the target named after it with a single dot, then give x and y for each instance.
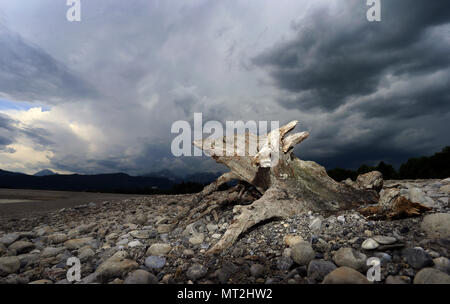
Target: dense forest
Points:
(435, 166)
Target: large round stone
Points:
(437, 225)
(159, 249)
(9, 265)
(116, 266)
(196, 272)
(350, 258)
(431, 276)
(141, 276)
(345, 275)
(318, 269)
(302, 253)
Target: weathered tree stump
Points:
(287, 184)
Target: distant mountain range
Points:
(116, 182)
(201, 178)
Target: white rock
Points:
(135, 243)
(122, 242)
(316, 224)
(159, 249)
(385, 240)
(197, 239)
(369, 244)
(216, 236)
(341, 219)
(416, 195)
(211, 227)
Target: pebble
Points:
(188, 252)
(384, 257)
(196, 272)
(284, 262)
(197, 239)
(318, 269)
(416, 195)
(85, 253)
(159, 249)
(257, 270)
(442, 264)
(164, 228)
(51, 251)
(164, 237)
(302, 253)
(291, 240)
(445, 189)
(135, 243)
(9, 238)
(316, 224)
(350, 258)
(345, 275)
(41, 282)
(368, 233)
(384, 240)
(9, 265)
(369, 244)
(431, 276)
(417, 258)
(77, 243)
(21, 247)
(116, 266)
(212, 228)
(57, 238)
(140, 276)
(155, 262)
(141, 234)
(398, 280)
(437, 225)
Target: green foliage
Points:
(436, 166)
(340, 174)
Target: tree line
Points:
(435, 166)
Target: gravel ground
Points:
(128, 241)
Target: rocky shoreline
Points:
(129, 241)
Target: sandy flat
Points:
(19, 203)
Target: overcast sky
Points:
(101, 95)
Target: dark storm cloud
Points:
(7, 132)
(372, 90)
(333, 58)
(365, 91)
(29, 73)
(151, 158)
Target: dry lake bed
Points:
(20, 203)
